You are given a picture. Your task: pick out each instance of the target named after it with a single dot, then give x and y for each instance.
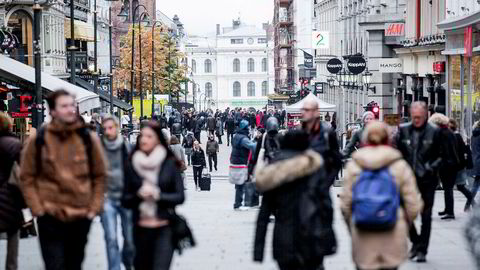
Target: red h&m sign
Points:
(394, 29)
(468, 41)
(439, 67)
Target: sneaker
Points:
(244, 208)
(446, 217)
(421, 257)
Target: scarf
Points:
(148, 168)
(113, 145)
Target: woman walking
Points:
(153, 188)
(387, 248)
(198, 163)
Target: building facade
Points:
(234, 68)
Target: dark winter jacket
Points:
(283, 190)
(188, 141)
(241, 147)
(198, 158)
(198, 126)
(354, 143)
(426, 158)
(476, 149)
(170, 183)
(11, 199)
(212, 147)
(450, 161)
(211, 123)
(219, 129)
(230, 125)
(176, 128)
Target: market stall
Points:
(294, 111)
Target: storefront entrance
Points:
(20, 24)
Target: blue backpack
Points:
(375, 200)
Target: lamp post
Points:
(110, 54)
(367, 77)
(95, 52)
(38, 111)
(72, 47)
(153, 66)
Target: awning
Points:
(276, 96)
(13, 69)
(104, 95)
(83, 31)
(322, 105)
(459, 22)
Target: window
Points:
(262, 40)
(251, 89)
(264, 88)
(236, 65)
(208, 89)
(251, 65)
(194, 66)
(236, 41)
(208, 66)
(237, 91)
(264, 65)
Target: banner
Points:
(468, 41)
(307, 60)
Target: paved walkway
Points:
(225, 237)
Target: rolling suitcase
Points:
(205, 182)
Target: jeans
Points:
(154, 248)
(251, 195)
(63, 243)
(197, 174)
(229, 138)
(13, 238)
(214, 158)
(239, 192)
(421, 241)
(111, 210)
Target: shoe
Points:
(243, 208)
(413, 253)
(467, 207)
(421, 257)
(446, 217)
(443, 213)
(216, 169)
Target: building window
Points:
(251, 89)
(194, 66)
(251, 65)
(264, 65)
(264, 88)
(208, 66)
(236, 65)
(237, 91)
(236, 41)
(208, 89)
(262, 40)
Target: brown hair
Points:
(52, 98)
(376, 133)
(453, 124)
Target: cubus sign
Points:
(394, 29)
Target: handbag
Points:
(182, 236)
(238, 174)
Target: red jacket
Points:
(259, 120)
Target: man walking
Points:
(230, 127)
(212, 150)
(63, 179)
(211, 124)
(116, 151)
(420, 145)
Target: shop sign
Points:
(307, 60)
(394, 29)
(19, 107)
(439, 67)
(468, 41)
(320, 39)
(356, 65)
(334, 65)
(319, 88)
(390, 65)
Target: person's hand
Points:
(91, 215)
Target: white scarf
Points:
(148, 168)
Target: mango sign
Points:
(394, 29)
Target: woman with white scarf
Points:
(153, 188)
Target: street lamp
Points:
(331, 82)
(153, 65)
(367, 77)
(37, 116)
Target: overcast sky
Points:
(200, 17)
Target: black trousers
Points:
(197, 174)
(421, 241)
(298, 266)
(214, 158)
(219, 138)
(63, 243)
(448, 182)
(464, 190)
(229, 137)
(197, 136)
(154, 248)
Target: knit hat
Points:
(365, 114)
(243, 124)
(6, 122)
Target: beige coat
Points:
(375, 250)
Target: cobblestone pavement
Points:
(225, 237)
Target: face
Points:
(110, 129)
(195, 145)
(419, 116)
(65, 110)
(309, 112)
(148, 140)
(368, 119)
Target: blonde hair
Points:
(439, 119)
(376, 133)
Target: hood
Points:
(64, 130)
(376, 157)
(281, 172)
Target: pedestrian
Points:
(117, 151)
(179, 153)
(382, 245)
(258, 120)
(198, 163)
(163, 121)
(230, 127)
(419, 142)
(322, 138)
(198, 129)
(288, 184)
(153, 189)
(211, 124)
(11, 199)
(188, 145)
(212, 150)
(463, 153)
(62, 178)
(241, 147)
(450, 163)
(219, 130)
(356, 140)
(475, 140)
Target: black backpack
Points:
(83, 132)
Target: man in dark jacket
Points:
(322, 139)
(212, 150)
(211, 124)
(419, 142)
(198, 129)
(230, 127)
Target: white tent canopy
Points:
(322, 105)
